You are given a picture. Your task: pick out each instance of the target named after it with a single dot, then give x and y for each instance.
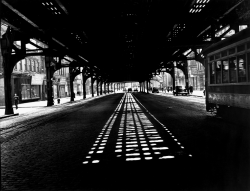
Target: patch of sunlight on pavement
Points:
(137, 138)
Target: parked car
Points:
(155, 90)
(180, 90)
(135, 90)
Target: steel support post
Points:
(147, 86)
(8, 63)
(92, 86)
(71, 84)
(101, 82)
(97, 86)
(108, 88)
(83, 84)
(7, 69)
(186, 75)
(49, 76)
(173, 79)
(104, 87)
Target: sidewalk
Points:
(195, 93)
(38, 105)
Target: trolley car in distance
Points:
(227, 66)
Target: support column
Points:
(104, 87)
(49, 76)
(186, 75)
(84, 84)
(71, 84)
(147, 86)
(8, 63)
(92, 86)
(97, 88)
(108, 87)
(174, 78)
(101, 82)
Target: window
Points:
(232, 69)
(218, 72)
(224, 53)
(212, 73)
(34, 65)
(248, 65)
(21, 65)
(242, 76)
(231, 51)
(217, 56)
(30, 65)
(34, 90)
(25, 65)
(225, 76)
(42, 67)
(211, 58)
(37, 66)
(241, 48)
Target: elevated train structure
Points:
(140, 39)
(227, 66)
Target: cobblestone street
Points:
(124, 142)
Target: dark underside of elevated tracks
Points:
(125, 40)
(117, 41)
(114, 41)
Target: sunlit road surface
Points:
(134, 154)
(137, 137)
(124, 142)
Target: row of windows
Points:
(30, 65)
(230, 51)
(62, 72)
(235, 69)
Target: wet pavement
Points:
(124, 142)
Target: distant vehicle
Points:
(129, 89)
(135, 90)
(155, 90)
(180, 90)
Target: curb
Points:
(5, 116)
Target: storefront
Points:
(27, 87)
